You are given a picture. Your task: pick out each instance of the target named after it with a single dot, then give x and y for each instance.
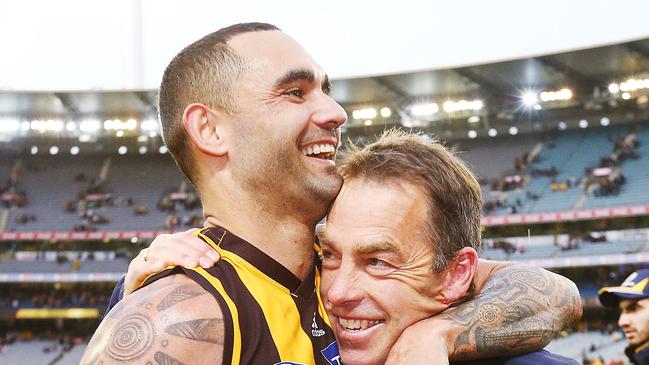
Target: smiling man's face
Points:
(377, 276)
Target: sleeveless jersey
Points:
(270, 315)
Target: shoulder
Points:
(172, 320)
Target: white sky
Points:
(125, 44)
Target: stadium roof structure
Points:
(532, 94)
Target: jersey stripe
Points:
(216, 283)
(292, 343)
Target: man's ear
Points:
(459, 274)
(205, 127)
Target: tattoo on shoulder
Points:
(163, 359)
(131, 338)
(206, 330)
(178, 295)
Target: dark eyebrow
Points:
(295, 75)
(302, 75)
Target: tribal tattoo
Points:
(520, 309)
(159, 324)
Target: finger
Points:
(138, 270)
(175, 255)
(196, 249)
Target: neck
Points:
(287, 238)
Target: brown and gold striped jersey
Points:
(270, 315)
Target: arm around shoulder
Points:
(170, 321)
(518, 309)
(515, 309)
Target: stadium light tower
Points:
(529, 98)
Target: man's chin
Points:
(361, 357)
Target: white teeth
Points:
(317, 149)
(357, 324)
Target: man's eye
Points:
(377, 263)
(297, 93)
(326, 254)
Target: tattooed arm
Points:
(169, 322)
(517, 309)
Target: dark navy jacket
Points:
(535, 358)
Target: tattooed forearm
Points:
(520, 309)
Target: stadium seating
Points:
(49, 183)
(28, 353)
(578, 346)
(636, 189)
(13, 266)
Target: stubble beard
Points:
(278, 179)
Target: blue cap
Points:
(636, 286)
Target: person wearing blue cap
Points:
(632, 297)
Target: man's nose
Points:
(623, 320)
(328, 113)
(345, 288)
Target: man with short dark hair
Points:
(264, 168)
(632, 297)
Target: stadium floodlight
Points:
(153, 134)
(119, 133)
(149, 125)
(142, 150)
(386, 112)
(25, 125)
(368, 122)
(89, 126)
(634, 84)
(605, 122)
(473, 119)
(54, 150)
(614, 88)
(163, 149)
(71, 126)
(557, 95)
(122, 150)
(537, 107)
(626, 96)
(131, 124)
(472, 134)
(33, 150)
(47, 125)
(492, 132)
(563, 126)
(85, 138)
(529, 98)
(583, 123)
(513, 130)
(74, 150)
(142, 139)
(451, 106)
(365, 113)
(9, 125)
(426, 109)
(133, 239)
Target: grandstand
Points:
(565, 184)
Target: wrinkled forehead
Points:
(273, 52)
